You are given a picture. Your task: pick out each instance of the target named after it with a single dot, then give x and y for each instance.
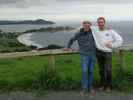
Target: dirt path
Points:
(75, 96)
(69, 95)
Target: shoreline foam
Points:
(26, 40)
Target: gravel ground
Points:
(64, 95)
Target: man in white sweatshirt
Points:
(106, 41)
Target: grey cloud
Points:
(99, 1)
(30, 3)
(22, 3)
(9, 1)
(12, 3)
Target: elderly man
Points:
(87, 51)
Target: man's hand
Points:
(109, 45)
(67, 49)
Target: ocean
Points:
(43, 39)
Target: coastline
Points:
(26, 40)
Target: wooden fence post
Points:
(51, 62)
(121, 60)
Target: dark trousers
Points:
(105, 67)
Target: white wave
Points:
(26, 40)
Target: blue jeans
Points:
(88, 62)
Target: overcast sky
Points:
(66, 9)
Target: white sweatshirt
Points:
(108, 36)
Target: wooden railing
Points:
(51, 54)
(35, 53)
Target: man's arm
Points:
(72, 40)
(118, 41)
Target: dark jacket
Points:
(85, 41)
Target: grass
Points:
(32, 73)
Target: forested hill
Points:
(35, 22)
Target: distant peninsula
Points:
(30, 22)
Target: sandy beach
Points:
(26, 40)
